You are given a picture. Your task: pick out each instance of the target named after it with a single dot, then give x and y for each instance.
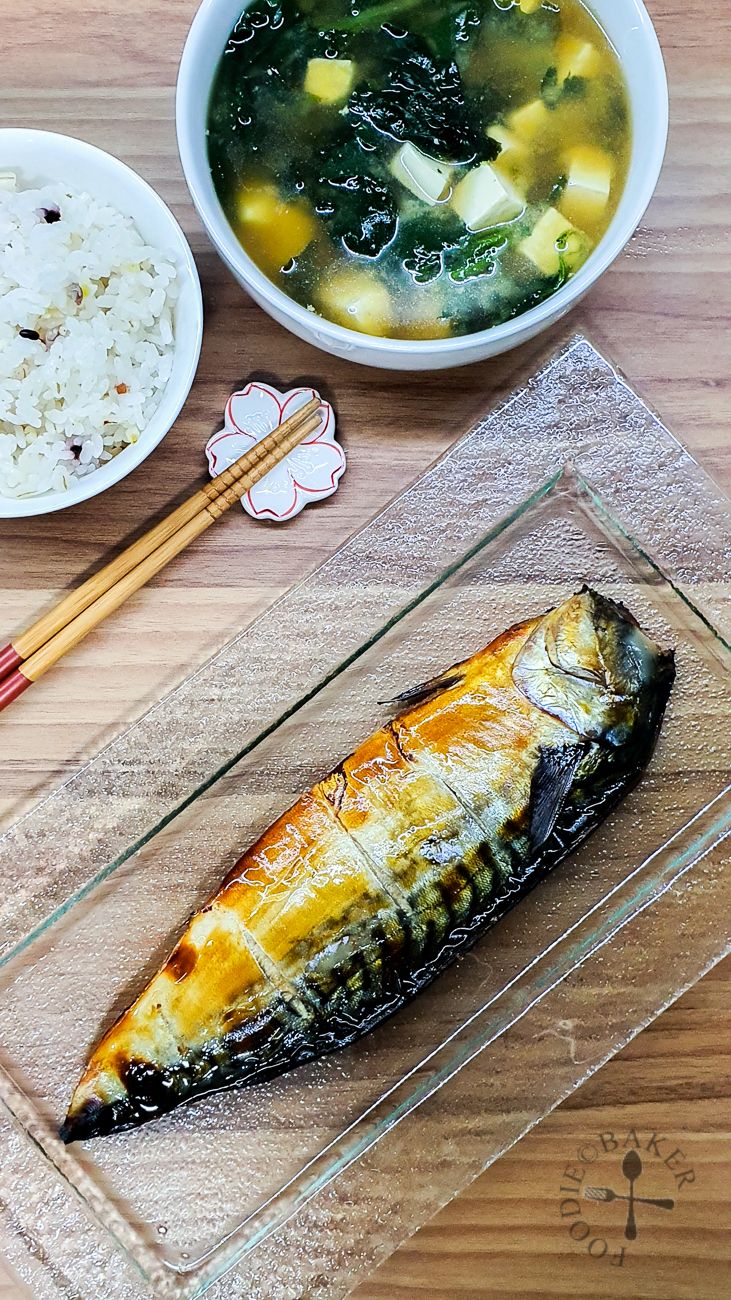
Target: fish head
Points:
(589, 664)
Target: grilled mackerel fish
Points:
(360, 894)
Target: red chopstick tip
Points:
(12, 686)
(9, 659)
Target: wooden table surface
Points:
(105, 71)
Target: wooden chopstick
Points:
(82, 610)
(24, 645)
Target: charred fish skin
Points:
(377, 878)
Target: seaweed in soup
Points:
(357, 206)
(421, 101)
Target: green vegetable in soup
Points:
(369, 15)
(477, 254)
(552, 93)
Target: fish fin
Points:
(550, 785)
(426, 690)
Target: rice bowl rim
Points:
(42, 157)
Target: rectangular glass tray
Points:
(300, 1186)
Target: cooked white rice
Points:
(86, 335)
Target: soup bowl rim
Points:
(192, 100)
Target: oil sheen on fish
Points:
(394, 863)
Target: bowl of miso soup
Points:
(420, 185)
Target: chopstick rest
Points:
(309, 473)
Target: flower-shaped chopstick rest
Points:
(309, 473)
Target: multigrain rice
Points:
(86, 335)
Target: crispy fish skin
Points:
(394, 863)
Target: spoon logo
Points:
(627, 1173)
(631, 1168)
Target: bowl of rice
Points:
(101, 321)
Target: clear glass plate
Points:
(300, 1185)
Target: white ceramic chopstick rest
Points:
(309, 473)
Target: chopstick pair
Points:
(34, 651)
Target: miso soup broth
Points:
(418, 170)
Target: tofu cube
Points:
(423, 176)
(279, 230)
(257, 205)
(483, 198)
(330, 80)
(359, 301)
(576, 58)
(543, 246)
(530, 121)
(529, 6)
(589, 172)
(514, 152)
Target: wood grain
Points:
(106, 71)
(504, 1239)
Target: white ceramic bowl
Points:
(39, 156)
(630, 30)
